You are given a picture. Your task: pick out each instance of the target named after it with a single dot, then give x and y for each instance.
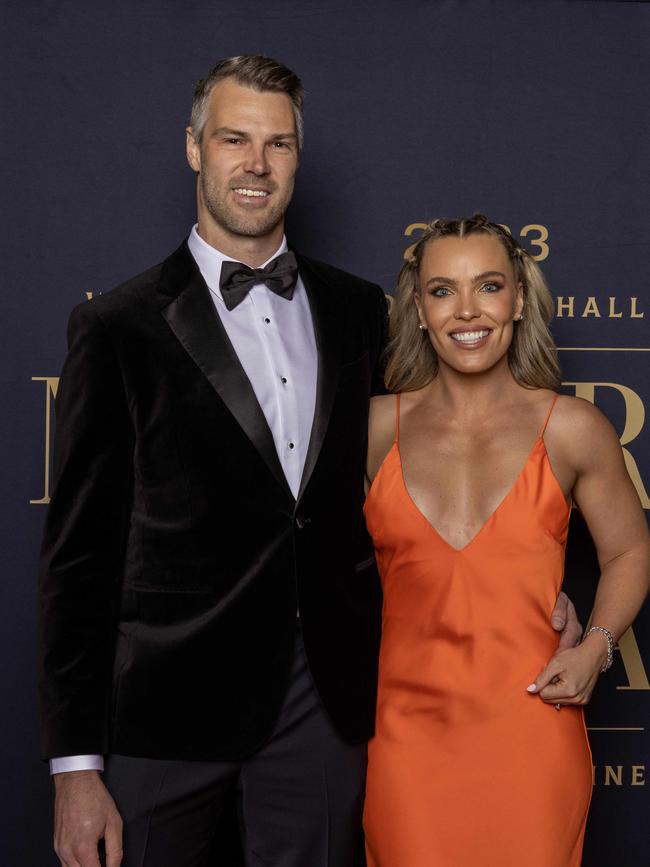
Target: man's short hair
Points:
(251, 70)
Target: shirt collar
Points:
(209, 259)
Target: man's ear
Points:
(192, 150)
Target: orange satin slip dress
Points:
(466, 768)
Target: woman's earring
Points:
(422, 327)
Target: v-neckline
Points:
(490, 518)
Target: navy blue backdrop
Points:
(534, 112)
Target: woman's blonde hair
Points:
(532, 356)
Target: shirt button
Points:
(267, 320)
(283, 379)
(291, 445)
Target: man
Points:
(211, 437)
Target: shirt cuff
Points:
(76, 763)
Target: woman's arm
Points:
(586, 444)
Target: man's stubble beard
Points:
(253, 226)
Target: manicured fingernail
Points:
(531, 688)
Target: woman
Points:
(479, 759)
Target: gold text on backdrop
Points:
(538, 239)
(51, 387)
(613, 308)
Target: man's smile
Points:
(249, 191)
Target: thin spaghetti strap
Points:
(548, 415)
(397, 397)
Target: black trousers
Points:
(300, 797)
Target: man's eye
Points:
(233, 140)
(280, 145)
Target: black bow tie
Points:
(237, 280)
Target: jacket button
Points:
(301, 522)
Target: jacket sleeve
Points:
(84, 539)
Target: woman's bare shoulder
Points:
(381, 419)
(381, 431)
(382, 407)
(581, 429)
(579, 414)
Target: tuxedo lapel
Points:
(195, 322)
(326, 318)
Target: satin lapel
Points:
(327, 328)
(195, 322)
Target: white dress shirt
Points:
(275, 343)
(274, 340)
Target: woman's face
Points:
(468, 299)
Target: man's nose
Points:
(256, 160)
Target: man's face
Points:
(246, 161)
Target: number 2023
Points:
(538, 239)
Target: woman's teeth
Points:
(469, 336)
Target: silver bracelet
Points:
(610, 644)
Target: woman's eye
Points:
(440, 291)
(490, 287)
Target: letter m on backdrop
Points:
(51, 388)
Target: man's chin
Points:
(249, 228)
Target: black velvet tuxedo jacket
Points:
(175, 556)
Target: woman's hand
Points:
(570, 676)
